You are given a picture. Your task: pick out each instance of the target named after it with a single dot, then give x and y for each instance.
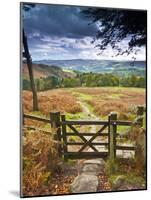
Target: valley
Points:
(121, 68)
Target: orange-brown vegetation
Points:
(38, 73)
(122, 100)
(40, 160)
(104, 108)
(42, 171)
(43, 71)
(110, 90)
(37, 124)
(52, 100)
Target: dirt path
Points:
(90, 116)
(93, 128)
(103, 180)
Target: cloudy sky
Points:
(63, 32)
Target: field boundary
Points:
(60, 130)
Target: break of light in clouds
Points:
(62, 32)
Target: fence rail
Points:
(33, 117)
(130, 148)
(71, 122)
(37, 129)
(82, 122)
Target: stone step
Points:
(88, 181)
(84, 183)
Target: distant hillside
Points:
(50, 77)
(100, 66)
(42, 71)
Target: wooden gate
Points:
(88, 145)
(62, 129)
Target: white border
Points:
(9, 97)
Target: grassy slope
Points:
(99, 101)
(42, 71)
(104, 99)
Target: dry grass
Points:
(104, 108)
(40, 160)
(52, 100)
(110, 90)
(38, 72)
(107, 99)
(40, 157)
(104, 100)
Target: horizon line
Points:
(88, 59)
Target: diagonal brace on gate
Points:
(88, 143)
(82, 137)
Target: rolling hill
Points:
(42, 71)
(99, 66)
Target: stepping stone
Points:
(92, 169)
(98, 161)
(94, 166)
(84, 183)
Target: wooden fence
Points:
(64, 128)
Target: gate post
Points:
(140, 152)
(56, 130)
(140, 112)
(63, 118)
(112, 135)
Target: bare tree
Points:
(27, 55)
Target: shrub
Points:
(138, 135)
(104, 108)
(53, 100)
(122, 116)
(40, 160)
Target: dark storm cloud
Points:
(61, 32)
(61, 21)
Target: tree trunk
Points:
(29, 65)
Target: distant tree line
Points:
(43, 83)
(87, 80)
(107, 79)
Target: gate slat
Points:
(83, 138)
(92, 138)
(94, 143)
(85, 134)
(86, 155)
